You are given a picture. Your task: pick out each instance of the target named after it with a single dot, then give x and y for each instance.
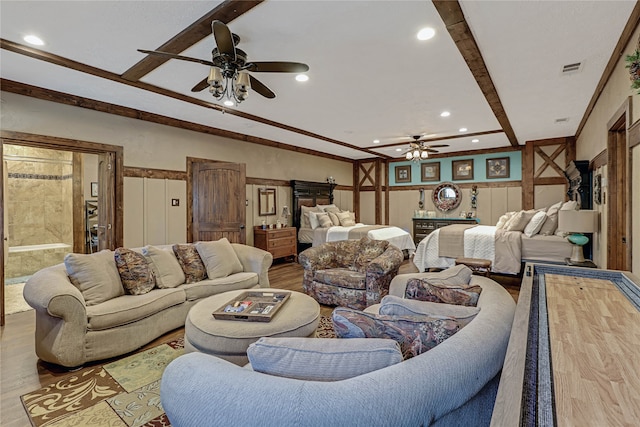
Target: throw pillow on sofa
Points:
(165, 266)
(191, 263)
(395, 306)
(135, 273)
(416, 334)
(322, 359)
(95, 275)
(425, 290)
(219, 258)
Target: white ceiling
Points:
(370, 78)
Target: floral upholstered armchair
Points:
(350, 273)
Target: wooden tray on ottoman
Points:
(253, 306)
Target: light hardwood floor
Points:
(22, 372)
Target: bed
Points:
(507, 250)
(308, 195)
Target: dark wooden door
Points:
(219, 201)
(106, 199)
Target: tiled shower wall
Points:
(39, 206)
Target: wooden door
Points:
(106, 212)
(219, 195)
(618, 194)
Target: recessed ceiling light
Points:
(475, 140)
(302, 77)
(376, 141)
(445, 114)
(228, 103)
(426, 33)
(462, 129)
(398, 149)
(34, 40)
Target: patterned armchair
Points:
(350, 273)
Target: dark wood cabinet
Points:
(280, 242)
(422, 227)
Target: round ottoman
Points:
(229, 339)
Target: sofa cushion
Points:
(135, 274)
(416, 334)
(368, 250)
(95, 275)
(395, 306)
(456, 275)
(424, 290)
(345, 252)
(165, 266)
(219, 258)
(341, 277)
(322, 359)
(190, 262)
(208, 287)
(130, 308)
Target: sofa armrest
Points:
(51, 284)
(387, 262)
(317, 258)
(255, 260)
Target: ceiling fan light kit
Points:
(418, 150)
(229, 77)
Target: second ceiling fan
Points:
(229, 73)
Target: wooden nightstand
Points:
(280, 242)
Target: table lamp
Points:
(285, 214)
(577, 223)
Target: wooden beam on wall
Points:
(378, 185)
(78, 209)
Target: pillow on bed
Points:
(551, 222)
(571, 205)
(502, 221)
(334, 218)
(535, 224)
(323, 208)
(324, 220)
(332, 208)
(346, 219)
(520, 220)
(304, 215)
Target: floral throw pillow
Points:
(135, 274)
(416, 334)
(426, 290)
(191, 263)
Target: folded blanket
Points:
(451, 240)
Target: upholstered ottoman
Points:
(229, 339)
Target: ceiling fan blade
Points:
(437, 146)
(277, 67)
(259, 87)
(224, 39)
(202, 85)
(174, 56)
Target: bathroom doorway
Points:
(45, 184)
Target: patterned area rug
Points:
(124, 393)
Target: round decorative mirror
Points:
(446, 196)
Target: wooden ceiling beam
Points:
(453, 17)
(226, 12)
(439, 138)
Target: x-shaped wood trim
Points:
(549, 160)
(367, 173)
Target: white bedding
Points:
(479, 242)
(394, 235)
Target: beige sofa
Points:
(70, 332)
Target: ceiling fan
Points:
(229, 74)
(419, 150)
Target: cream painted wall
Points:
(593, 140)
(150, 145)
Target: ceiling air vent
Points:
(572, 68)
(562, 120)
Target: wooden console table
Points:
(572, 358)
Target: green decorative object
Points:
(578, 239)
(633, 64)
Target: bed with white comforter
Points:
(394, 235)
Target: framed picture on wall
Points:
(462, 169)
(498, 168)
(403, 174)
(430, 172)
(94, 189)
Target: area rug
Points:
(13, 300)
(124, 393)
